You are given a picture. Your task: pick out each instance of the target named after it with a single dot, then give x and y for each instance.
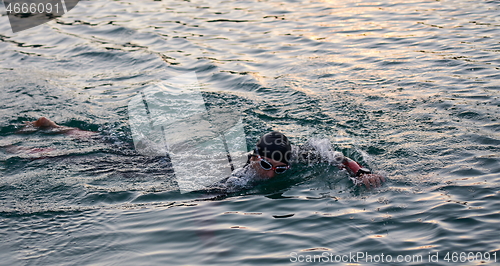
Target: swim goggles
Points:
(266, 165)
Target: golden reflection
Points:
(377, 236)
(423, 247)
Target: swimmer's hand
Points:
(371, 180)
(360, 175)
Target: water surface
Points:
(410, 88)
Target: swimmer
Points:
(274, 155)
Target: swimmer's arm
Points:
(317, 152)
(46, 124)
(360, 175)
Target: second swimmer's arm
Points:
(46, 124)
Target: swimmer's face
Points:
(266, 174)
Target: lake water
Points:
(411, 88)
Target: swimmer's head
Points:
(275, 146)
(273, 152)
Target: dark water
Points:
(412, 88)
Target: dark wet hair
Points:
(274, 145)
